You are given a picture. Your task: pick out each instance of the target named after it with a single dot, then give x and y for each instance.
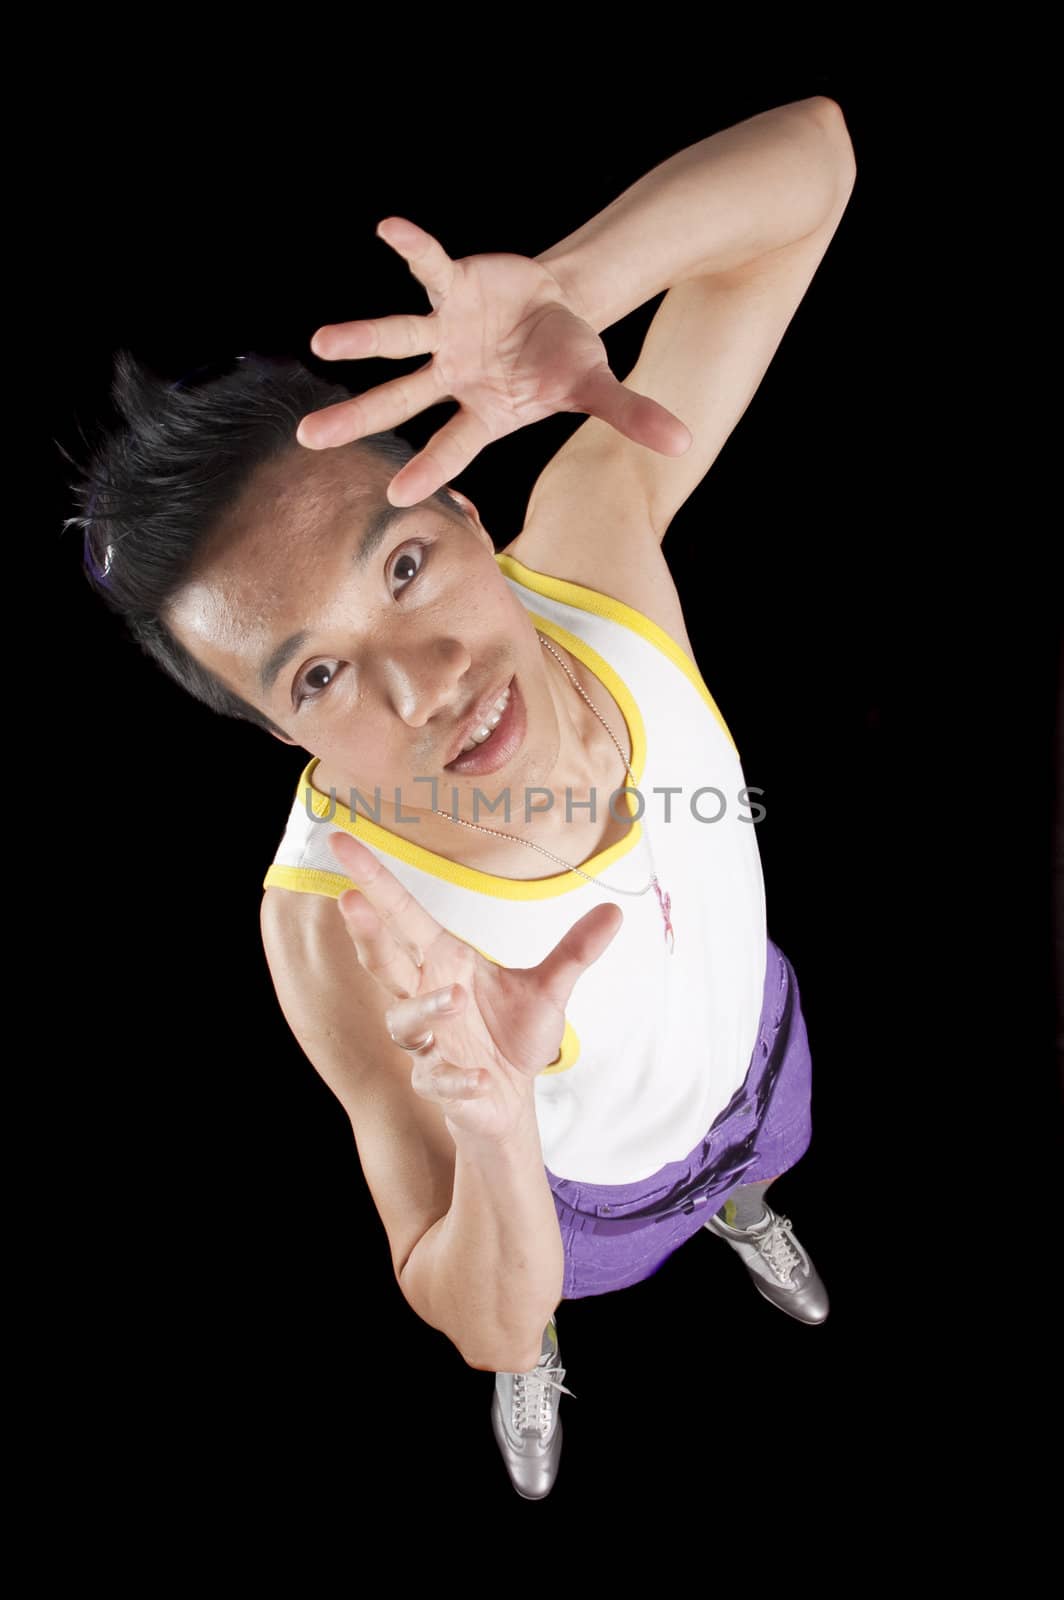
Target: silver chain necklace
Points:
(664, 899)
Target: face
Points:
(372, 659)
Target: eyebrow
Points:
(373, 535)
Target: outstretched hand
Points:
(494, 1028)
(504, 341)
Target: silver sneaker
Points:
(781, 1268)
(525, 1420)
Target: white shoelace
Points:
(532, 1398)
(777, 1248)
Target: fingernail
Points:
(443, 999)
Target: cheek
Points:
(357, 741)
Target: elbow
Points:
(828, 113)
(512, 1350)
(509, 1360)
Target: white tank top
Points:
(655, 1043)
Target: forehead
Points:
(269, 543)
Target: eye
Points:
(404, 557)
(310, 689)
(306, 689)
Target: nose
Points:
(425, 681)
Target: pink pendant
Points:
(665, 902)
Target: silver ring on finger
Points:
(418, 1049)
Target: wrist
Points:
(521, 1136)
(564, 269)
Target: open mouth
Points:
(498, 739)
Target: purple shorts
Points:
(615, 1235)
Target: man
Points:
(532, 1003)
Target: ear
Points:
(472, 514)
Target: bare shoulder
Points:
(286, 914)
(321, 987)
(303, 935)
(588, 522)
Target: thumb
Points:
(636, 416)
(575, 951)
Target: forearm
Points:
(490, 1272)
(711, 208)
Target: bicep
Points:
(708, 347)
(708, 350)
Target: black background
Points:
(223, 1282)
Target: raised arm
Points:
(714, 208)
(733, 230)
(514, 340)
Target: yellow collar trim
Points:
(603, 605)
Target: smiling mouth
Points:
(482, 734)
(495, 740)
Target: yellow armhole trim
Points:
(603, 605)
(570, 1047)
(567, 1054)
(309, 880)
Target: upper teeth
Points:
(486, 728)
